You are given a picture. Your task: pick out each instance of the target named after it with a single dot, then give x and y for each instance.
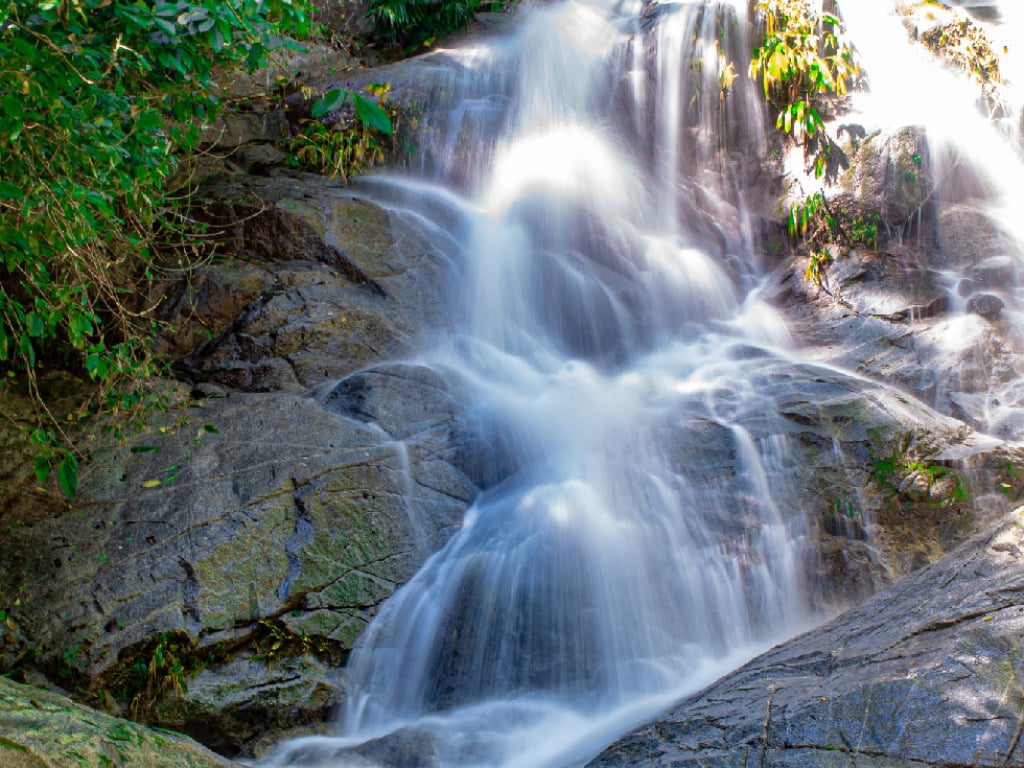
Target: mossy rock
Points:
(42, 728)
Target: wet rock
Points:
(891, 175)
(961, 364)
(887, 287)
(240, 701)
(925, 673)
(996, 272)
(968, 236)
(42, 728)
(254, 529)
(987, 305)
(331, 283)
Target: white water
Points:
(610, 330)
(978, 165)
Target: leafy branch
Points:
(98, 102)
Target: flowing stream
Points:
(594, 181)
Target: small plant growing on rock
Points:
(351, 149)
(966, 46)
(412, 24)
(162, 674)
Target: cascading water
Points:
(977, 161)
(609, 330)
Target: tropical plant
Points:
(805, 55)
(354, 147)
(98, 102)
(822, 227)
(413, 24)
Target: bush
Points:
(804, 56)
(98, 100)
(412, 24)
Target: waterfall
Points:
(596, 170)
(977, 161)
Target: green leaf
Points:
(372, 114)
(41, 467)
(96, 366)
(27, 350)
(13, 106)
(34, 325)
(167, 27)
(149, 120)
(331, 101)
(67, 475)
(143, 448)
(9, 191)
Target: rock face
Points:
(40, 728)
(890, 174)
(925, 673)
(218, 567)
(324, 283)
(255, 542)
(215, 571)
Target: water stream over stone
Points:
(593, 184)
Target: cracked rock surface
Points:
(34, 721)
(929, 672)
(216, 569)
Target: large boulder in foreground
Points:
(211, 577)
(41, 728)
(927, 673)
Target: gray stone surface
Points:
(926, 673)
(257, 518)
(41, 729)
(891, 174)
(324, 283)
(256, 525)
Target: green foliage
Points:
(352, 149)
(820, 226)
(275, 643)
(966, 46)
(161, 675)
(842, 508)
(412, 24)
(98, 100)
(903, 466)
(804, 56)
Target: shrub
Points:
(412, 24)
(98, 99)
(805, 55)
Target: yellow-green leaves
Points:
(804, 54)
(351, 149)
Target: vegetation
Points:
(966, 46)
(412, 24)
(99, 101)
(905, 468)
(819, 224)
(804, 59)
(357, 148)
(162, 675)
